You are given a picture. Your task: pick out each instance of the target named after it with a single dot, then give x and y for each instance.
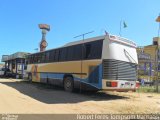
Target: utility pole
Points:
(82, 56)
(157, 61)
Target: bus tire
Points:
(30, 77)
(68, 84)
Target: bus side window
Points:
(47, 56)
(39, 56)
(56, 56)
(87, 51)
(63, 54)
(77, 52)
(51, 55)
(70, 53)
(43, 57)
(97, 49)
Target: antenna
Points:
(83, 34)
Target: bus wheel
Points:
(30, 77)
(68, 84)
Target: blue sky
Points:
(68, 18)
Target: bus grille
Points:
(119, 70)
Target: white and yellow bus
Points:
(105, 62)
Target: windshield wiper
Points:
(127, 53)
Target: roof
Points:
(14, 56)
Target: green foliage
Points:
(147, 89)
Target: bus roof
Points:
(89, 40)
(85, 41)
(76, 43)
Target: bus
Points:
(107, 62)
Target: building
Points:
(15, 63)
(147, 57)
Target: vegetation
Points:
(147, 89)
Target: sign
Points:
(44, 26)
(144, 56)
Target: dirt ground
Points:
(22, 97)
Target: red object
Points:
(137, 84)
(114, 84)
